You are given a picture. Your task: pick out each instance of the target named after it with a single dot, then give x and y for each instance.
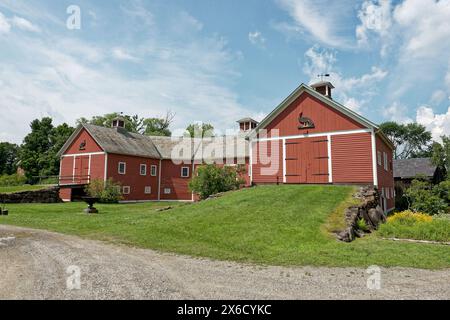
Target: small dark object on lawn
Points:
(90, 201)
(164, 209)
(5, 212)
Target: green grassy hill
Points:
(277, 225)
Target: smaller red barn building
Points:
(308, 139)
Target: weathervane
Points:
(322, 76)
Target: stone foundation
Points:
(50, 195)
(369, 210)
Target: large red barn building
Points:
(308, 139)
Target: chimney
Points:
(247, 124)
(323, 87)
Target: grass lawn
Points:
(436, 230)
(276, 225)
(25, 187)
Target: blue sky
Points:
(218, 61)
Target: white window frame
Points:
(128, 188)
(385, 158)
(148, 190)
(167, 190)
(388, 193)
(143, 165)
(153, 167)
(392, 193)
(379, 158)
(188, 172)
(124, 168)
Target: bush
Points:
(409, 218)
(107, 192)
(211, 179)
(12, 180)
(418, 226)
(423, 197)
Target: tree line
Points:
(37, 155)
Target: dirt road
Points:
(34, 265)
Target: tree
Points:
(38, 151)
(200, 130)
(8, 158)
(423, 197)
(411, 140)
(211, 179)
(159, 126)
(132, 123)
(441, 153)
(136, 124)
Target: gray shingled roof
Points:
(410, 168)
(120, 141)
(123, 142)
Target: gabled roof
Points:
(247, 119)
(175, 147)
(410, 168)
(305, 88)
(117, 141)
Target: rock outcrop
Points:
(49, 195)
(368, 210)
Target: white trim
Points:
(126, 187)
(188, 173)
(151, 170)
(193, 170)
(106, 167)
(330, 164)
(313, 135)
(284, 160)
(82, 154)
(73, 169)
(89, 169)
(374, 159)
(145, 190)
(159, 180)
(250, 161)
(140, 169)
(124, 167)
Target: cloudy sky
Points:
(221, 60)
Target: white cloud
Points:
(324, 20)
(122, 54)
(5, 27)
(24, 24)
(353, 92)
(438, 124)
(256, 38)
(397, 112)
(438, 96)
(376, 17)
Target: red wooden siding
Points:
(171, 179)
(66, 170)
(325, 118)
(132, 178)
(351, 156)
(385, 177)
(268, 172)
(91, 145)
(65, 194)
(307, 160)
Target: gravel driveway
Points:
(33, 265)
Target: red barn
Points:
(308, 139)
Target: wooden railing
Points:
(71, 180)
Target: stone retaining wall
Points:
(50, 195)
(369, 210)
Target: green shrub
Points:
(107, 192)
(362, 225)
(211, 179)
(424, 197)
(408, 217)
(12, 180)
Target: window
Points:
(388, 193)
(126, 190)
(185, 172)
(385, 161)
(392, 193)
(122, 168)
(167, 191)
(148, 190)
(143, 169)
(153, 170)
(379, 158)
